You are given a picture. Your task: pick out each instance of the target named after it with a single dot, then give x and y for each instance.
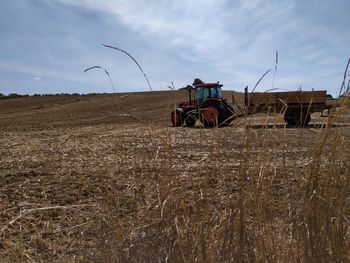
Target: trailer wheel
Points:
(297, 118)
(307, 119)
(176, 118)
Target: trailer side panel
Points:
(295, 97)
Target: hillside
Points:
(57, 111)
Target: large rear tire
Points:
(224, 111)
(210, 117)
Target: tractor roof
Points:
(202, 85)
(208, 85)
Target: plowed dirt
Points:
(70, 163)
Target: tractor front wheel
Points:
(190, 121)
(176, 118)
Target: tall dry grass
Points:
(247, 193)
(264, 195)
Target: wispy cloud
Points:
(225, 34)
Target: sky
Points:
(45, 45)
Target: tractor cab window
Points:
(216, 93)
(202, 94)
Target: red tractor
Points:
(205, 104)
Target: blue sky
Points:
(46, 44)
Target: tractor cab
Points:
(207, 91)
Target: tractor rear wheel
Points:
(210, 117)
(223, 113)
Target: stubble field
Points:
(105, 178)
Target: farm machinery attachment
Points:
(296, 106)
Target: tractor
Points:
(205, 105)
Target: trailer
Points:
(297, 106)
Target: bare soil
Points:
(73, 168)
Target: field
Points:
(105, 178)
